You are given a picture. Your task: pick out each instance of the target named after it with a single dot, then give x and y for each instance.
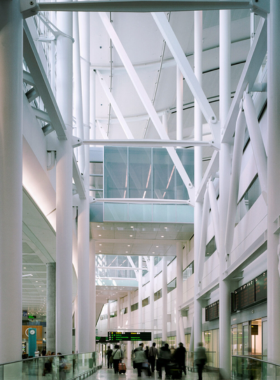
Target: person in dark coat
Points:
(179, 357)
(164, 359)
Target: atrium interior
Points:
(139, 186)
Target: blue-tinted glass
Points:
(140, 172)
(164, 175)
(140, 213)
(187, 158)
(165, 213)
(115, 172)
(115, 212)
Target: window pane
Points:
(115, 172)
(140, 173)
(164, 176)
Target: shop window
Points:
(158, 295)
(134, 307)
(145, 302)
(210, 248)
(188, 271)
(171, 340)
(211, 344)
(171, 286)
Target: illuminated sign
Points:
(115, 336)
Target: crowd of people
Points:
(172, 360)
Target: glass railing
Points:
(63, 367)
(246, 367)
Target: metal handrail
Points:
(253, 358)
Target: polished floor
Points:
(131, 374)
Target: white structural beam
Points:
(42, 84)
(138, 241)
(119, 268)
(146, 143)
(78, 179)
(144, 6)
(185, 68)
(133, 266)
(140, 200)
(203, 236)
(234, 180)
(215, 213)
(250, 71)
(146, 101)
(78, 96)
(257, 142)
(179, 104)
(211, 171)
(116, 108)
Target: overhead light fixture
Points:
(156, 246)
(99, 235)
(98, 226)
(27, 275)
(128, 245)
(162, 236)
(130, 235)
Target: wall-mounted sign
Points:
(212, 311)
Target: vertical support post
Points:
(273, 100)
(198, 23)
(165, 121)
(179, 104)
(64, 161)
(140, 293)
(11, 51)
(129, 326)
(164, 299)
(50, 336)
(92, 105)
(92, 294)
(225, 165)
(179, 289)
(108, 316)
(152, 292)
(118, 312)
(252, 27)
(83, 217)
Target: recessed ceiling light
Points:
(153, 252)
(126, 251)
(130, 235)
(99, 235)
(99, 251)
(156, 246)
(165, 228)
(100, 244)
(131, 227)
(36, 281)
(162, 236)
(98, 226)
(128, 245)
(24, 267)
(40, 286)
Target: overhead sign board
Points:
(116, 336)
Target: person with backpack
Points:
(116, 358)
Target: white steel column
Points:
(179, 289)
(118, 312)
(225, 166)
(108, 316)
(165, 121)
(83, 216)
(179, 104)
(50, 309)
(164, 299)
(11, 51)
(152, 292)
(64, 161)
(273, 101)
(92, 105)
(92, 296)
(129, 327)
(198, 23)
(140, 292)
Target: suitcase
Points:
(122, 368)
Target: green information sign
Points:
(115, 336)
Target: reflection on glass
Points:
(140, 171)
(246, 339)
(239, 339)
(115, 172)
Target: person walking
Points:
(140, 359)
(164, 359)
(153, 354)
(117, 356)
(179, 357)
(200, 359)
(109, 354)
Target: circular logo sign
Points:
(32, 332)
